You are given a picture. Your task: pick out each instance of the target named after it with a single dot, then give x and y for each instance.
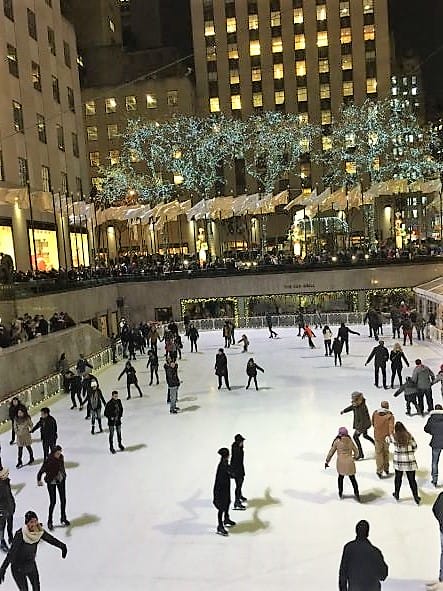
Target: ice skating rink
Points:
(143, 519)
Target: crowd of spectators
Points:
(26, 328)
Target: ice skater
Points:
(424, 378)
(7, 508)
(173, 383)
(397, 357)
(96, 401)
(114, 412)
(55, 477)
(380, 355)
(343, 334)
(221, 369)
(22, 553)
(404, 461)
(23, 426)
(327, 338)
(152, 365)
(131, 378)
(222, 492)
(409, 388)
(227, 330)
(48, 431)
(437, 510)
(309, 334)
(346, 454)
(434, 427)
(14, 407)
(383, 423)
(251, 372)
(337, 348)
(238, 470)
(362, 421)
(193, 336)
(244, 339)
(272, 332)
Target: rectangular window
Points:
(32, 24)
(46, 179)
(257, 99)
(110, 105)
(348, 88)
(64, 182)
(346, 62)
(345, 36)
(94, 159)
(23, 171)
(75, 147)
(323, 66)
(41, 128)
(51, 41)
(325, 91)
(214, 104)
(277, 45)
(369, 32)
(253, 22)
(276, 18)
(322, 39)
(298, 16)
(36, 76)
(92, 133)
(345, 9)
(151, 101)
(368, 6)
(371, 85)
(232, 51)
(90, 108)
(79, 188)
(254, 47)
(279, 97)
(131, 103)
(172, 98)
(55, 89)
(112, 131)
(60, 137)
(231, 25)
(302, 94)
(11, 56)
(211, 54)
(17, 114)
(321, 12)
(326, 143)
(303, 118)
(351, 168)
(71, 101)
(326, 118)
(209, 28)
(67, 54)
(235, 102)
(256, 74)
(299, 42)
(8, 9)
(114, 157)
(278, 72)
(234, 77)
(300, 68)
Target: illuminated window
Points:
(60, 137)
(322, 39)
(275, 18)
(51, 41)
(234, 77)
(368, 6)
(299, 42)
(323, 66)
(112, 131)
(233, 51)
(254, 47)
(209, 28)
(369, 32)
(151, 101)
(279, 97)
(257, 99)
(131, 103)
(114, 157)
(351, 168)
(325, 91)
(321, 12)
(231, 25)
(90, 108)
(346, 62)
(278, 71)
(110, 105)
(394, 91)
(345, 36)
(211, 54)
(300, 68)
(92, 133)
(235, 102)
(350, 140)
(256, 74)
(304, 145)
(36, 76)
(371, 85)
(253, 22)
(214, 104)
(94, 158)
(298, 16)
(11, 56)
(134, 155)
(41, 128)
(302, 94)
(17, 113)
(326, 118)
(326, 141)
(97, 182)
(303, 118)
(277, 45)
(178, 179)
(348, 88)
(345, 9)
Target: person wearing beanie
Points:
(222, 492)
(7, 508)
(55, 477)
(383, 423)
(347, 453)
(380, 355)
(423, 377)
(409, 388)
(362, 421)
(434, 427)
(21, 555)
(95, 404)
(48, 431)
(362, 565)
(238, 470)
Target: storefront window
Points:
(46, 248)
(79, 249)
(6, 241)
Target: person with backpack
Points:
(362, 421)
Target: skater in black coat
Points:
(343, 335)
(152, 365)
(193, 337)
(75, 388)
(131, 378)
(221, 368)
(114, 413)
(251, 371)
(380, 355)
(397, 357)
(21, 555)
(55, 477)
(48, 431)
(95, 403)
(14, 407)
(222, 492)
(238, 470)
(337, 348)
(7, 508)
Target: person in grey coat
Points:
(423, 377)
(410, 392)
(434, 427)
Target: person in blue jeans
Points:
(434, 427)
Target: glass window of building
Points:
(371, 85)
(55, 89)
(300, 68)
(231, 25)
(345, 9)
(253, 22)
(302, 94)
(368, 6)
(94, 159)
(112, 131)
(303, 118)
(234, 77)
(277, 45)
(254, 47)
(350, 140)
(45, 243)
(275, 18)
(257, 99)
(92, 133)
(67, 54)
(111, 26)
(214, 104)
(298, 16)
(232, 51)
(97, 182)
(299, 42)
(114, 157)
(346, 62)
(178, 179)
(32, 24)
(326, 117)
(8, 9)
(36, 76)
(17, 115)
(211, 54)
(46, 179)
(23, 171)
(51, 41)
(279, 97)
(256, 74)
(321, 12)
(212, 76)
(209, 28)
(322, 39)
(60, 137)
(110, 105)
(41, 128)
(235, 102)
(151, 101)
(323, 66)
(172, 98)
(351, 168)
(90, 108)
(369, 32)
(325, 91)
(348, 88)
(11, 56)
(71, 101)
(305, 170)
(346, 35)
(75, 146)
(326, 141)
(131, 103)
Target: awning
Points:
(431, 291)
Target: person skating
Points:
(327, 338)
(21, 555)
(272, 332)
(300, 319)
(362, 421)
(337, 348)
(404, 460)
(309, 334)
(131, 378)
(244, 339)
(96, 401)
(75, 387)
(48, 431)
(14, 407)
(55, 477)
(347, 453)
(87, 380)
(7, 508)
(227, 334)
(380, 355)
(434, 427)
(409, 388)
(437, 510)
(232, 325)
(406, 325)
(397, 357)
(82, 365)
(221, 368)
(152, 365)
(238, 470)
(343, 334)
(383, 423)
(222, 492)
(193, 336)
(423, 377)
(178, 345)
(439, 378)
(173, 383)
(114, 412)
(251, 372)
(23, 426)
(362, 565)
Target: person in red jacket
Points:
(55, 478)
(308, 333)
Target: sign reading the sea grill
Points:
(300, 286)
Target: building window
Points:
(277, 45)
(64, 183)
(300, 68)
(298, 16)
(368, 6)
(232, 51)
(322, 39)
(51, 41)
(97, 182)
(67, 54)
(209, 28)
(257, 99)
(55, 89)
(278, 71)
(90, 108)
(110, 105)
(345, 9)
(32, 24)
(276, 18)
(231, 25)
(214, 104)
(299, 42)
(302, 94)
(351, 168)
(60, 137)
(17, 113)
(211, 54)
(112, 131)
(36, 76)
(346, 62)
(345, 36)
(79, 186)
(371, 85)
(254, 47)
(92, 133)
(212, 76)
(114, 157)
(235, 102)
(131, 103)
(46, 179)
(71, 101)
(111, 26)
(172, 98)
(323, 66)
(348, 88)
(234, 77)
(11, 55)
(326, 118)
(23, 172)
(8, 9)
(325, 91)
(151, 101)
(303, 118)
(326, 143)
(94, 159)
(256, 74)
(369, 32)
(279, 97)
(75, 147)
(321, 12)
(41, 128)
(253, 22)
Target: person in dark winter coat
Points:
(21, 555)
(409, 388)
(173, 382)
(221, 368)
(14, 407)
(362, 565)
(380, 355)
(55, 477)
(152, 365)
(406, 325)
(272, 332)
(372, 317)
(193, 337)
(343, 335)
(114, 412)
(96, 401)
(227, 330)
(82, 364)
(87, 380)
(238, 470)
(437, 510)
(251, 372)
(7, 508)
(222, 492)
(397, 357)
(48, 431)
(75, 388)
(434, 427)
(423, 377)
(337, 348)
(362, 420)
(131, 378)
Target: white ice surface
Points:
(145, 518)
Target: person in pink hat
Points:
(347, 453)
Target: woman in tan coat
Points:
(346, 454)
(22, 427)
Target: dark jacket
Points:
(171, 372)
(237, 460)
(95, 399)
(251, 369)
(193, 333)
(409, 388)
(131, 374)
(152, 361)
(344, 332)
(437, 510)
(81, 366)
(362, 567)
(53, 468)
(222, 486)
(14, 409)
(114, 412)
(48, 428)
(7, 501)
(434, 427)
(337, 346)
(396, 358)
(221, 364)
(21, 555)
(380, 355)
(362, 420)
